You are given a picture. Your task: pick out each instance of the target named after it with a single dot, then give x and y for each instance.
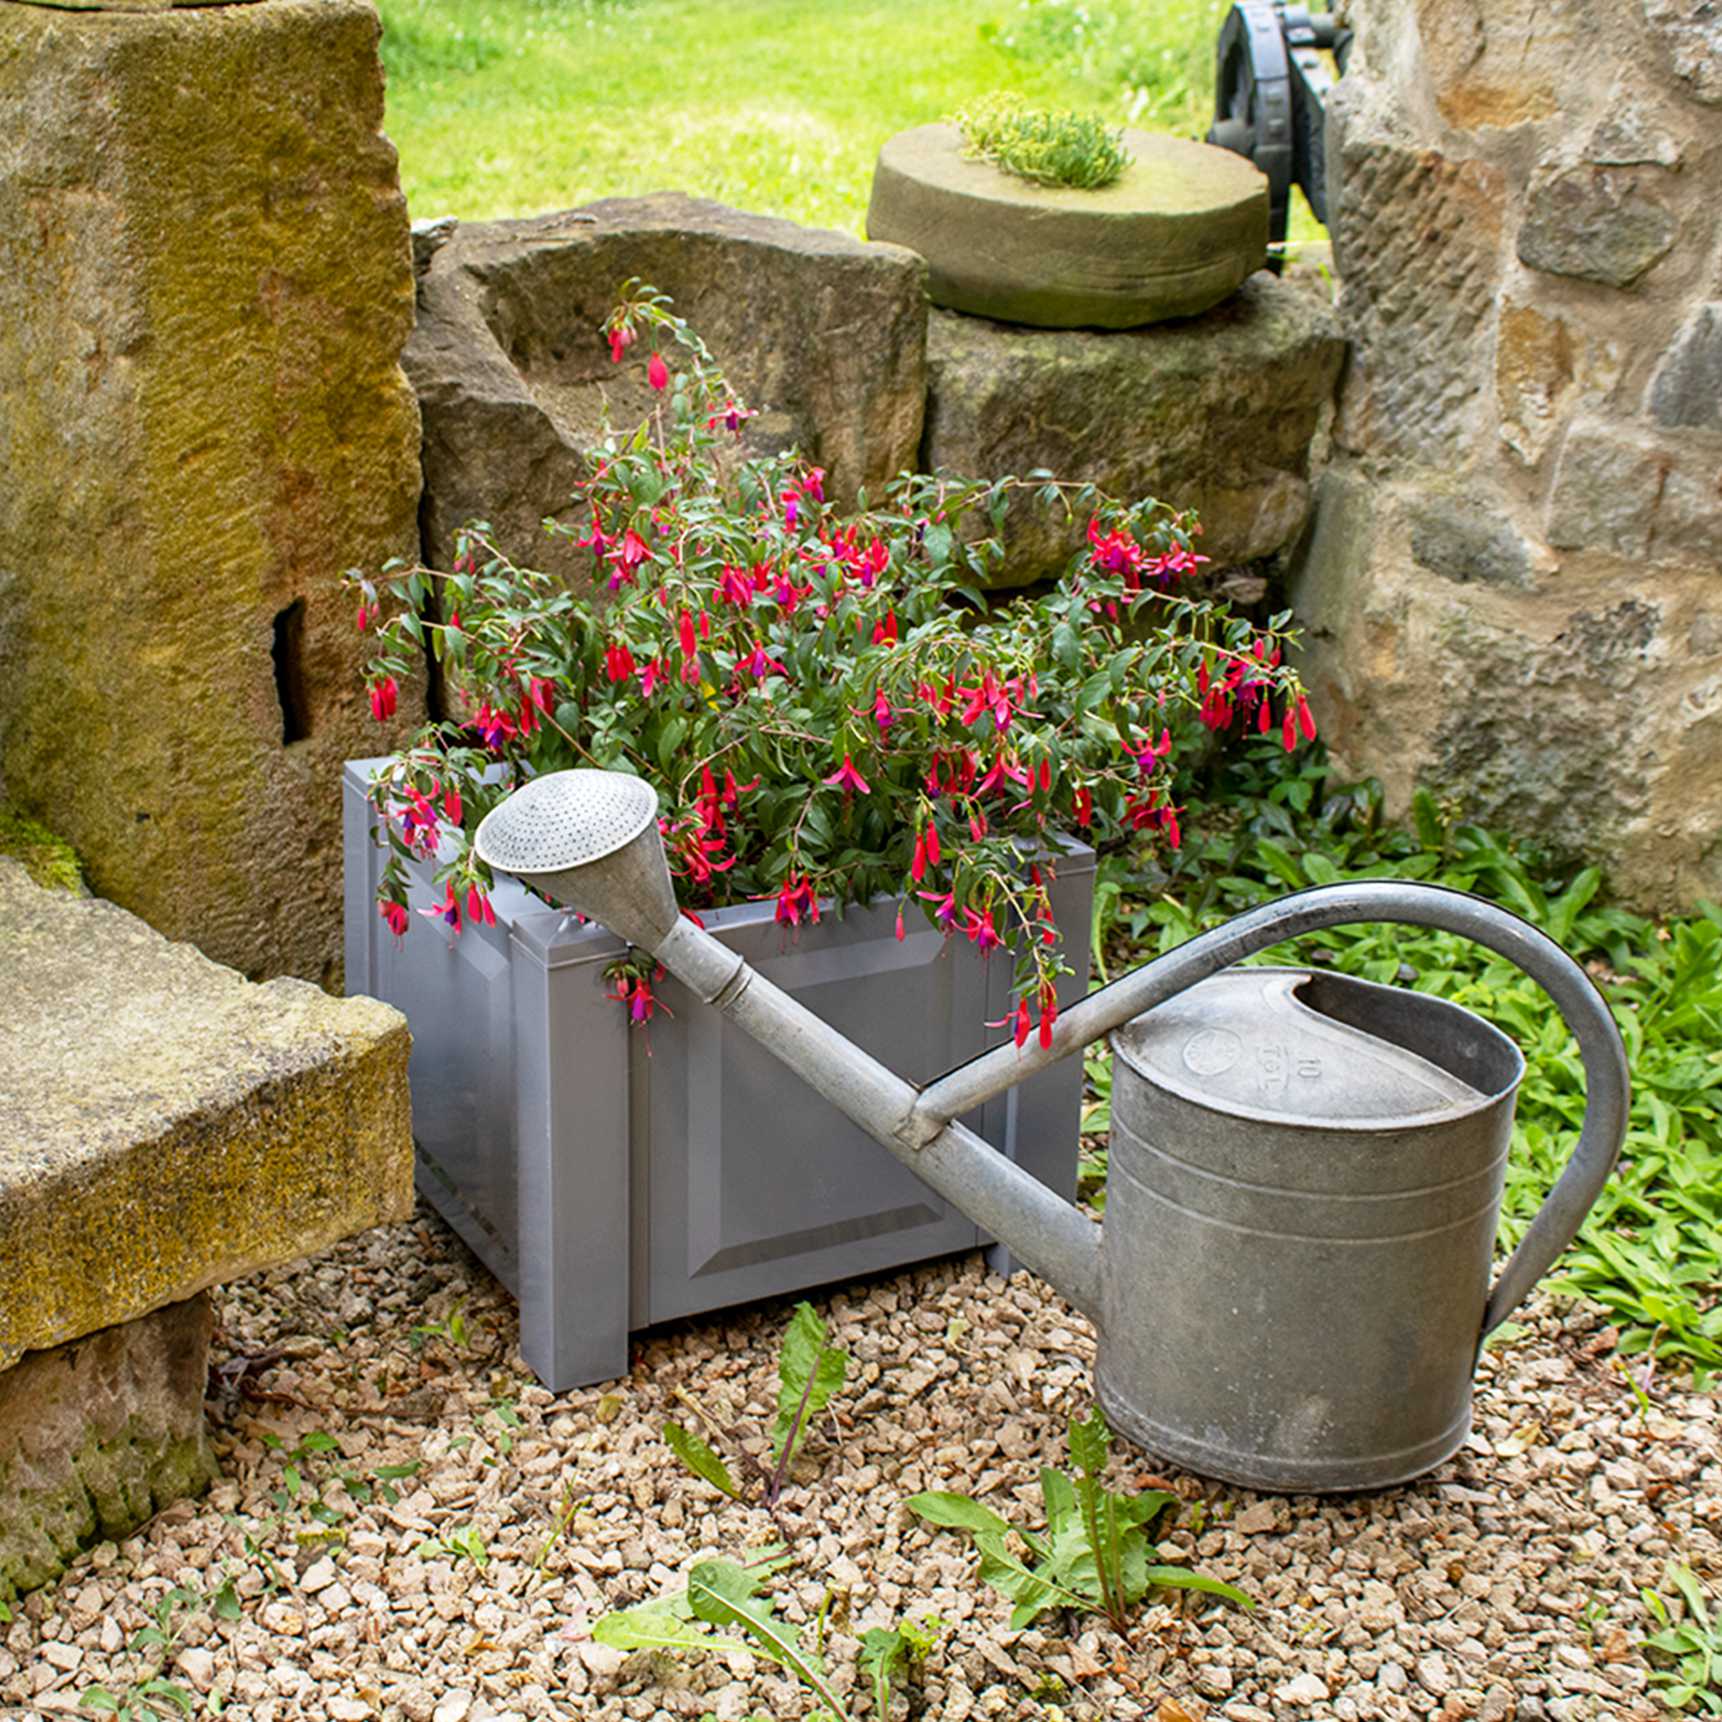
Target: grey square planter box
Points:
(613, 1177)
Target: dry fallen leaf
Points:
(1522, 1439)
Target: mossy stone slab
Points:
(1183, 227)
(99, 1435)
(167, 1125)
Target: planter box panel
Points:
(756, 1184)
(612, 1177)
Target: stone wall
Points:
(1514, 590)
(205, 283)
(834, 341)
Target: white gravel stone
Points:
(1304, 1689)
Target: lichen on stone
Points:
(50, 861)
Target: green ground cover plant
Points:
(1692, 1647)
(512, 107)
(1094, 1554)
(1650, 1252)
(1045, 146)
(809, 1373)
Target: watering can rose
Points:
(828, 703)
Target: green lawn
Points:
(514, 107)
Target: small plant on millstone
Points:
(1094, 1553)
(809, 1372)
(1045, 146)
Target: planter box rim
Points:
(557, 937)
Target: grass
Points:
(514, 107)
(1651, 1250)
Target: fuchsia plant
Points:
(829, 705)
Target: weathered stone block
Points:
(1633, 493)
(98, 1435)
(1461, 541)
(1214, 413)
(823, 334)
(1691, 35)
(1585, 711)
(1687, 387)
(1417, 242)
(1596, 224)
(1536, 364)
(1606, 489)
(166, 1125)
(205, 283)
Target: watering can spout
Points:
(589, 840)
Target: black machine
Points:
(1270, 97)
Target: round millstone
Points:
(1182, 228)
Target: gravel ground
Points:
(1505, 1584)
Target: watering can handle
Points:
(1607, 1084)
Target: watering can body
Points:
(1304, 1180)
(1306, 1171)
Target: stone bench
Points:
(165, 1126)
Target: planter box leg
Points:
(574, 1176)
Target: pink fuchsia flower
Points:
(980, 930)
(658, 373)
(918, 866)
(759, 663)
(494, 727)
(1048, 1015)
(886, 631)
(625, 558)
(650, 676)
(1151, 752)
(451, 804)
(731, 415)
(637, 994)
(813, 483)
(1305, 719)
(944, 907)
(396, 915)
(796, 901)
(1082, 806)
(848, 779)
(791, 509)
(735, 586)
(621, 339)
(448, 910)
(881, 709)
(365, 615)
(385, 696)
(618, 663)
(685, 635)
(478, 909)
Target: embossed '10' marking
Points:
(1276, 1067)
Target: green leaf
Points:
(723, 1594)
(178, 1696)
(98, 1698)
(1184, 1578)
(700, 1459)
(651, 1626)
(958, 1513)
(882, 1657)
(809, 1372)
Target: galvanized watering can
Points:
(1292, 1284)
